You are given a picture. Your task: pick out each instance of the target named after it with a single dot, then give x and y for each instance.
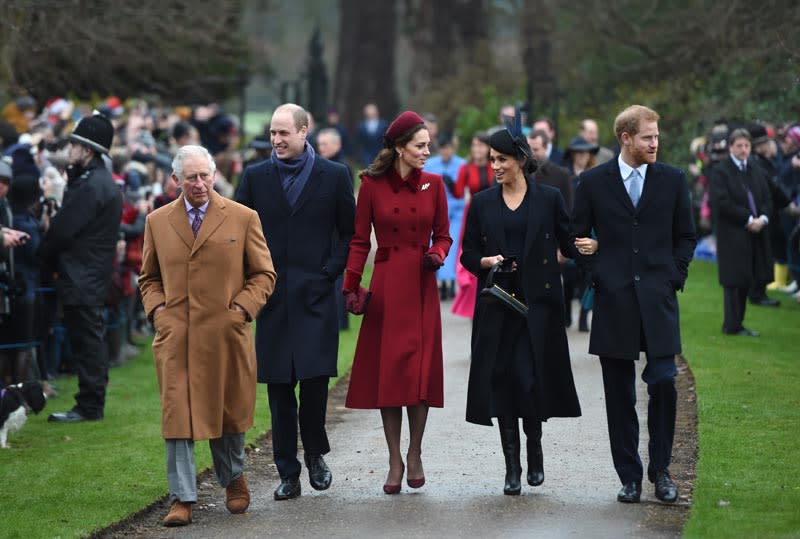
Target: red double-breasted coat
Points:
(398, 360)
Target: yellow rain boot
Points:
(781, 275)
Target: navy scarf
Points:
(294, 173)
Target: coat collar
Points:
(617, 188)
(411, 183)
(215, 215)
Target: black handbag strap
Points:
(490, 278)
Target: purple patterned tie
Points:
(197, 221)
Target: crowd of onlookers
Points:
(33, 179)
(33, 143)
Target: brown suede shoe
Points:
(237, 495)
(180, 514)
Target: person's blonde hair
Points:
(629, 120)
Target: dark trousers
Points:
(284, 410)
(735, 302)
(619, 383)
(85, 327)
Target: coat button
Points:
(413, 229)
(637, 278)
(544, 261)
(395, 229)
(547, 235)
(397, 210)
(413, 210)
(636, 250)
(635, 222)
(396, 248)
(547, 286)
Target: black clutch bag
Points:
(497, 294)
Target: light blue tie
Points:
(636, 187)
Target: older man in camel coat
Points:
(206, 272)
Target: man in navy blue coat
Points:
(307, 210)
(641, 214)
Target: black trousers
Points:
(284, 409)
(86, 328)
(619, 383)
(735, 302)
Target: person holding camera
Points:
(520, 358)
(20, 331)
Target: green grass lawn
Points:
(748, 398)
(63, 481)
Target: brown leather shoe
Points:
(237, 495)
(180, 514)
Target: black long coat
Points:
(548, 230)
(299, 329)
(643, 258)
(81, 241)
(742, 257)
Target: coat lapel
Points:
(311, 185)
(274, 188)
(617, 188)
(535, 211)
(215, 215)
(180, 222)
(495, 214)
(649, 188)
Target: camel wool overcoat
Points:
(203, 348)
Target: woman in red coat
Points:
(475, 175)
(398, 360)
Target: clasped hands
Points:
(755, 225)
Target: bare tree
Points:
(191, 51)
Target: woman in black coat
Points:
(520, 363)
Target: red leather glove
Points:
(432, 261)
(356, 301)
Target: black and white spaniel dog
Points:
(15, 403)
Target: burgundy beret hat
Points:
(402, 124)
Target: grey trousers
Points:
(226, 452)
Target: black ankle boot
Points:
(509, 437)
(533, 431)
(583, 324)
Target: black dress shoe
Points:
(288, 489)
(766, 302)
(70, 417)
(744, 332)
(666, 491)
(630, 492)
(319, 475)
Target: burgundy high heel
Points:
(416, 483)
(394, 489)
